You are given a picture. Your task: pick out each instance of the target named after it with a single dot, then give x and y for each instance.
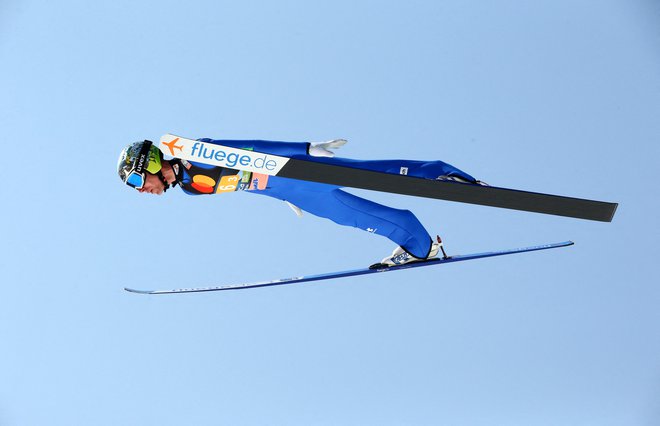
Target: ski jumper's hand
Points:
(322, 149)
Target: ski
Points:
(374, 269)
(217, 155)
(491, 196)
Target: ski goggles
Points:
(136, 179)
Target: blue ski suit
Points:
(329, 201)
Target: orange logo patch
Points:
(171, 146)
(203, 184)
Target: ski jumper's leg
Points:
(330, 202)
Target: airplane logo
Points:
(171, 146)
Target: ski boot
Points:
(400, 256)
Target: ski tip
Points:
(566, 243)
(132, 290)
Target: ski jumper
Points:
(320, 199)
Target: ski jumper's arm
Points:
(284, 149)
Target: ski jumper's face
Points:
(153, 185)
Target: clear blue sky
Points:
(557, 96)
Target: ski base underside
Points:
(355, 272)
(452, 191)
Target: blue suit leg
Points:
(400, 226)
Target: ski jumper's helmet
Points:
(138, 158)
